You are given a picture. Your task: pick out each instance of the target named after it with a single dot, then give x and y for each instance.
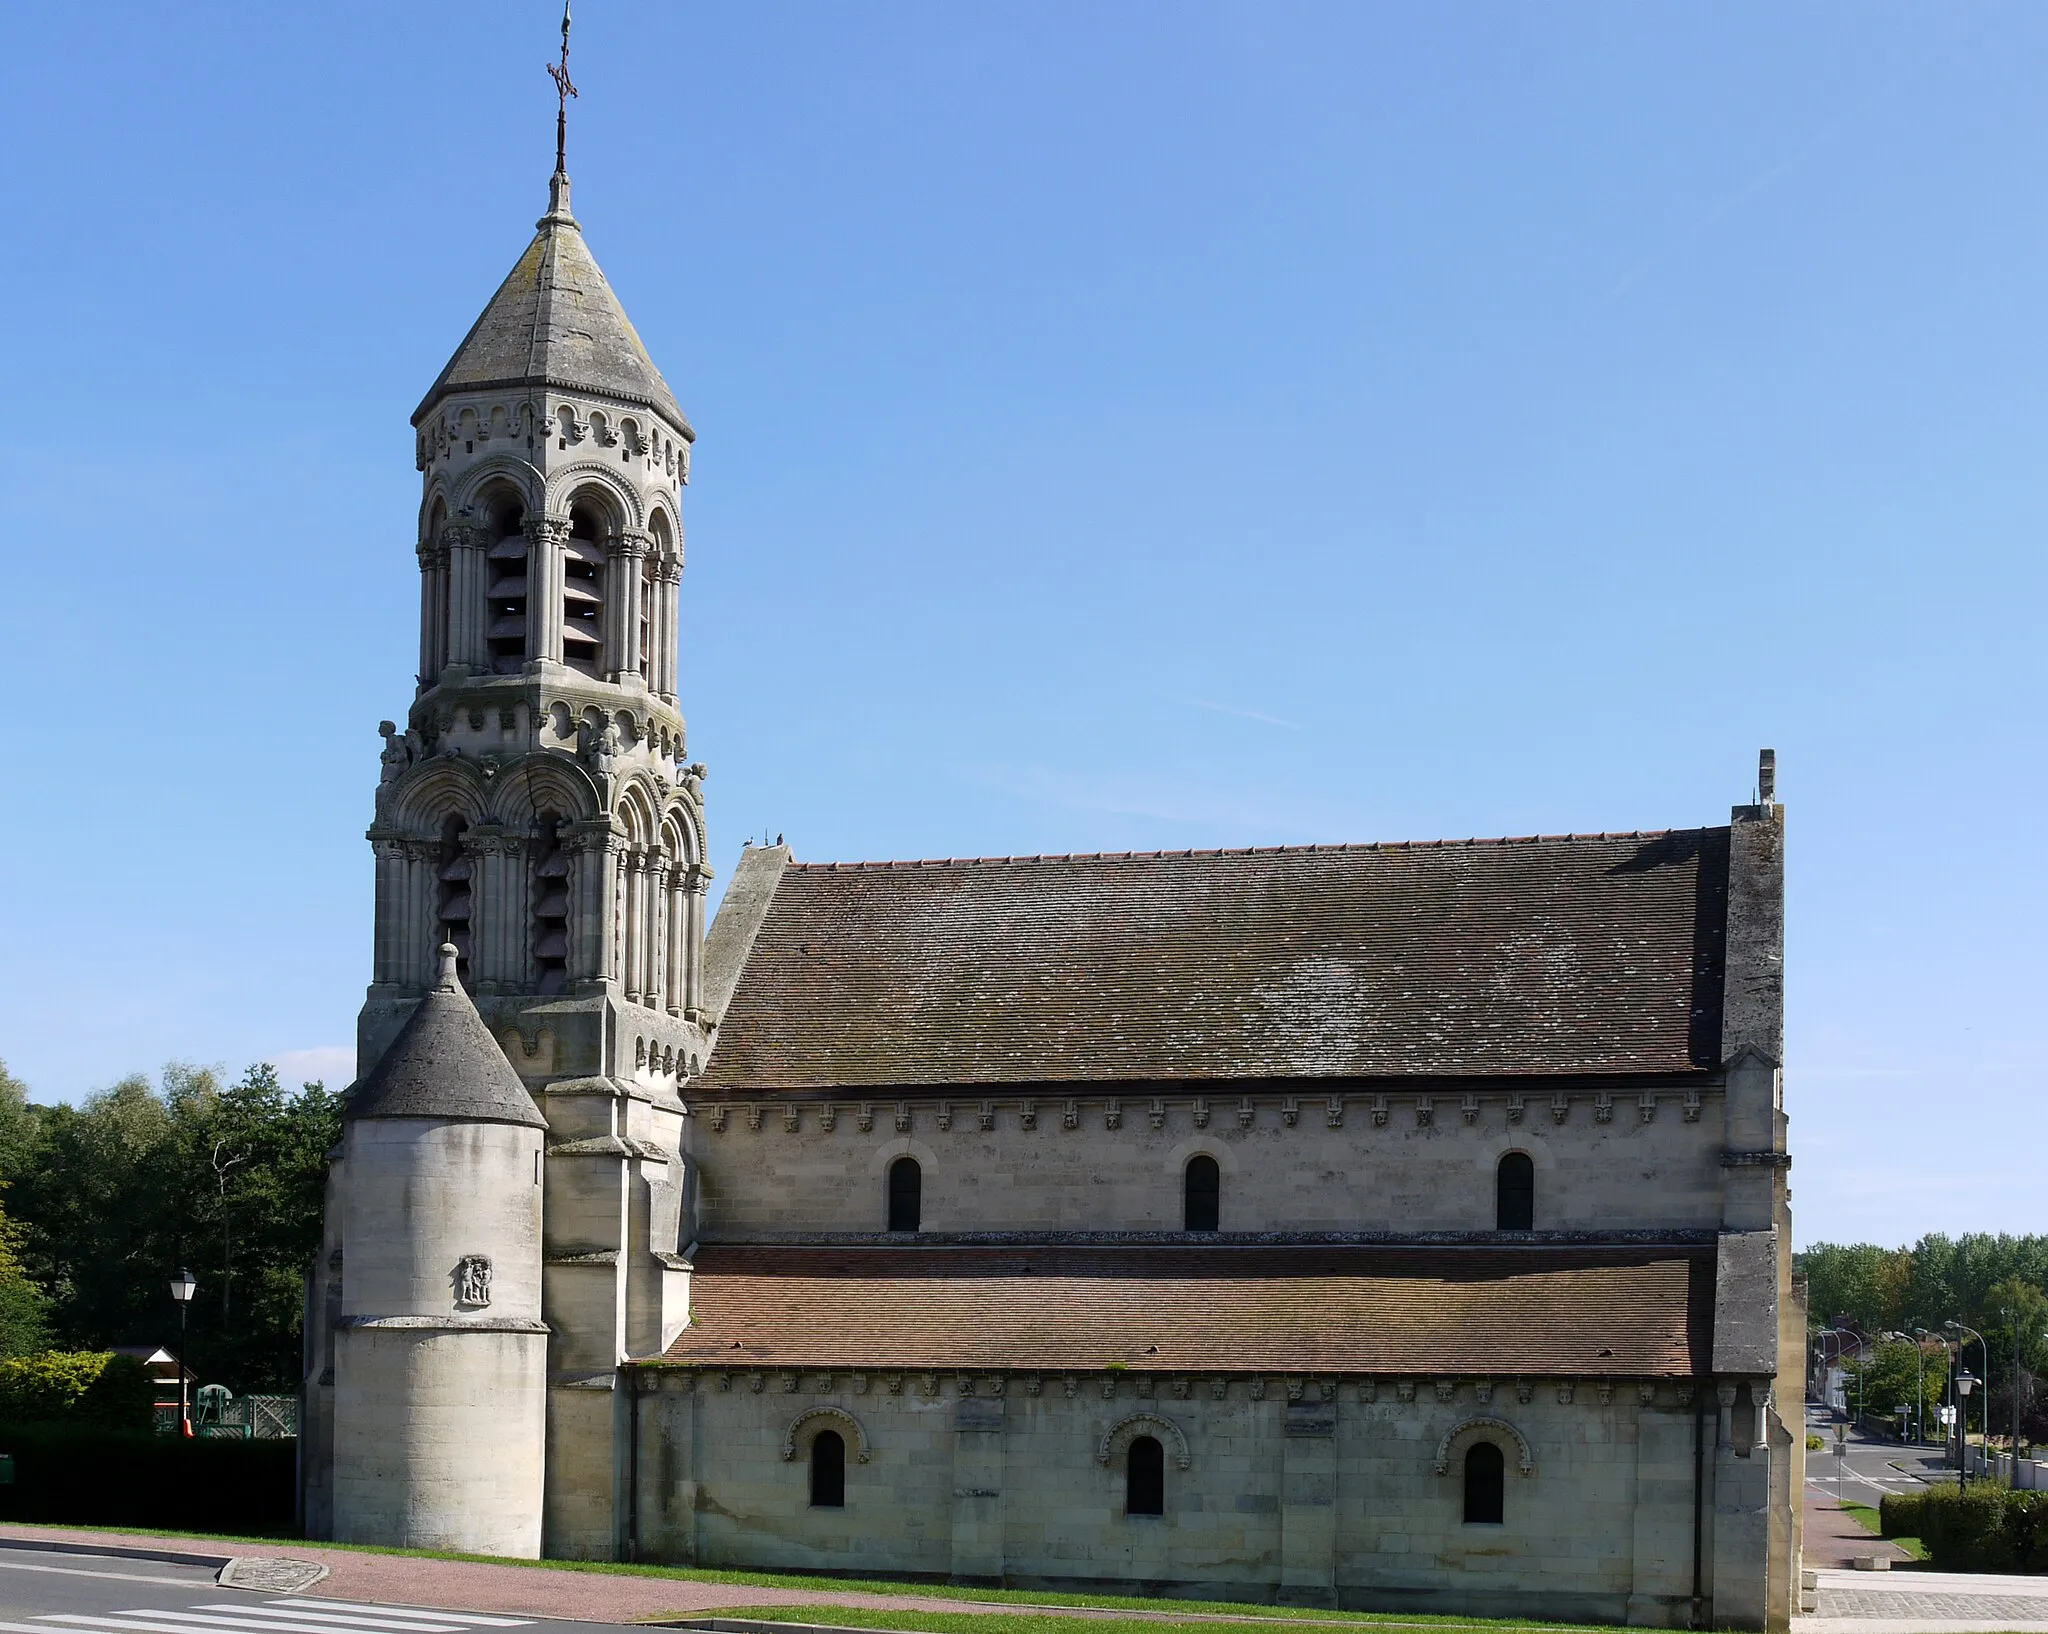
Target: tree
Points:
(114, 1195)
(1891, 1373)
(2015, 1325)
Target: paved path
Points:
(1834, 1537)
(1926, 1603)
(462, 1585)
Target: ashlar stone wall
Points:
(1319, 1491)
(1629, 1158)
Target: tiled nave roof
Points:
(1579, 954)
(1537, 1310)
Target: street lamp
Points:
(1920, 1382)
(1963, 1327)
(183, 1286)
(1838, 1335)
(1964, 1384)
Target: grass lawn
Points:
(1215, 1619)
(1865, 1516)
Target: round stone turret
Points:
(440, 1365)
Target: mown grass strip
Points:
(1214, 1620)
(1209, 1618)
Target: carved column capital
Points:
(630, 543)
(460, 535)
(491, 839)
(594, 838)
(549, 530)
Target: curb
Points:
(175, 1557)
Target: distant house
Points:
(163, 1373)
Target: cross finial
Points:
(565, 88)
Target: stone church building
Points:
(1379, 1225)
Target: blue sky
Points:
(1120, 426)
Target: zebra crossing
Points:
(274, 1616)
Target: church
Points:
(1394, 1226)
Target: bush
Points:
(1986, 1529)
(88, 1475)
(1898, 1514)
(77, 1387)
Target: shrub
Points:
(77, 1387)
(1898, 1514)
(1986, 1529)
(88, 1475)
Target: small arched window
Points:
(906, 1194)
(1485, 1484)
(1145, 1477)
(550, 907)
(583, 565)
(1202, 1194)
(506, 593)
(454, 897)
(828, 1470)
(1514, 1193)
(434, 599)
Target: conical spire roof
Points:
(444, 1064)
(555, 322)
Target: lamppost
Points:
(1964, 1382)
(1827, 1366)
(1920, 1384)
(1963, 1327)
(183, 1286)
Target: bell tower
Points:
(538, 813)
(544, 724)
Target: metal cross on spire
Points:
(565, 88)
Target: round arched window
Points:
(1514, 1193)
(906, 1194)
(1202, 1194)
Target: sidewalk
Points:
(1834, 1537)
(1926, 1603)
(533, 1591)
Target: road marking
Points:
(317, 1612)
(460, 1618)
(247, 1616)
(178, 1622)
(80, 1571)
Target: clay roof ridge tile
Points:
(1313, 847)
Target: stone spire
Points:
(555, 322)
(444, 1065)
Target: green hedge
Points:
(77, 1387)
(88, 1475)
(1986, 1529)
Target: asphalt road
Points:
(46, 1592)
(1871, 1466)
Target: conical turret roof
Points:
(444, 1064)
(555, 322)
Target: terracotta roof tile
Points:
(1547, 1311)
(1564, 955)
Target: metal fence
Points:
(232, 1418)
